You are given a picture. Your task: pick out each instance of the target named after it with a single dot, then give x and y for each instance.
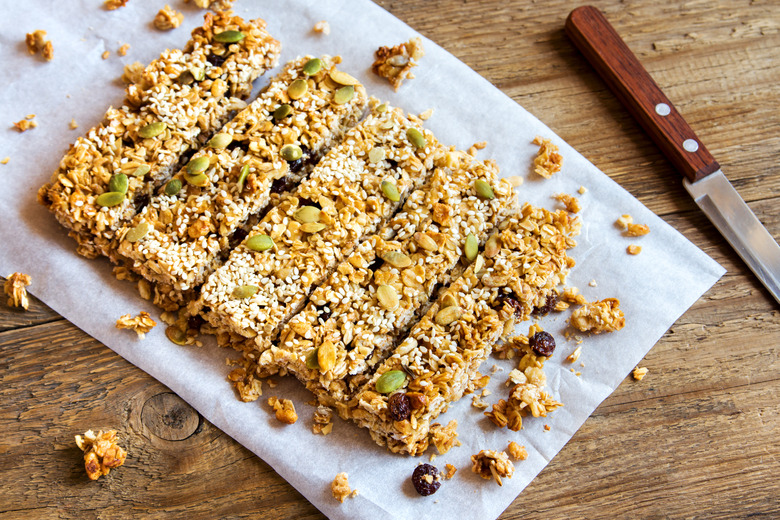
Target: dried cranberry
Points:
(513, 302)
(542, 343)
(548, 306)
(400, 406)
(420, 479)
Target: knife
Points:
(593, 35)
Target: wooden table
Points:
(698, 437)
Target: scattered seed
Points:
(387, 297)
(312, 361)
(448, 315)
(138, 232)
(484, 190)
(391, 191)
(198, 73)
(118, 183)
(229, 36)
(344, 94)
(381, 109)
(416, 137)
(110, 199)
(242, 177)
(312, 67)
(471, 247)
(291, 152)
(282, 111)
(448, 300)
(312, 227)
(260, 243)
(376, 154)
(186, 78)
(397, 259)
(390, 381)
(176, 335)
(326, 356)
(245, 291)
(173, 187)
(220, 140)
(342, 78)
(297, 88)
(307, 214)
(152, 130)
(425, 241)
(198, 165)
(479, 263)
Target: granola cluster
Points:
(167, 19)
(101, 452)
(516, 451)
(15, 287)
(492, 464)
(548, 161)
(140, 324)
(284, 410)
(36, 42)
(600, 316)
(27, 123)
(395, 63)
(444, 437)
(340, 487)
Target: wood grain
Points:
(697, 438)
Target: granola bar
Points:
(255, 292)
(174, 106)
(243, 166)
(443, 351)
(417, 250)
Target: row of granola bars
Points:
(354, 251)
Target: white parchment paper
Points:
(654, 288)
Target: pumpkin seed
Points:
(484, 190)
(186, 78)
(448, 315)
(229, 36)
(282, 111)
(173, 187)
(387, 297)
(381, 108)
(479, 263)
(416, 137)
(176, 335)
(390, 381)
(376, 154)
(110, 199)
(425, 241)
(138, 232)
(260, 243)
(471, 247)
(152, 130)
(312, 362)
(312, 67)
(391, 191)
(493, 246)
(118, 183)
(297, 88)
(198, 73)
(342, 78)
(199, 180)
(326, 356)
(448, 300)
(242, 177)
(198, 165)
(312, 227)
(291, 152)
(245, 291)
(397, 259)
(344, 94)
(220, 140)
(307, 214)
(141, 170)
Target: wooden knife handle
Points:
(621, 70)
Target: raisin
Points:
(299, 163)
(323, 313)
(542, 343)
(215, 60)
(393, 163)
(194, 323)
(237, 143)
(286, 183)
(420, 482)
(399, 406)
(505, 299)
(548, 306)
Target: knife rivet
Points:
(690, 145)
(662, 109)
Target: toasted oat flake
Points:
(574, 356)
(492, 464)
(105, 55)
(571, 203)
(340, 487)
(5, 160)
(141, 324)
(101, 452)
(637, 230)
(444, 437)
(322, 27)
(26, 124)
(515, 180)
(600, 316)
(624, 221)
(395, 63)
(516, 451)
(167, 19)
(639, 373)
(593, 283)
(582, 190)
(122, 51)
(114, 4)
(478, 403)
(15, 289)
(427, 115)
(634, 249)
(547, 161)
(285, 410)
(73, 124)
(450, 471)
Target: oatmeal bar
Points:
(176, 240)
(172, 108)
(433, 366)
(374, 295)
(346, 197)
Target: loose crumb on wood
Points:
(140, 324)
(15, 288)
(101, 452)
(639, 373)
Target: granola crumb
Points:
(548, 161)
(515, 180)
(36, 43)
(323, 416)
(73, 124)
(322, 27)
(600, 316)
(285, 410)
(432, 457)
(444, 437)
(395, 63)
(110, 5)
(48, 51)
(249, 387)
(623, 221)
(122, 51)
(639, 373)
(547, 426)
(272, 383)
(574, 356)
(427, 115)
(582, 190)
(571, 203)
(15, 289)
(26, 124)
(141, 324)
(167, 19)
(5, 160)
(105, 55)
(478, 403)
(637, 230)
(340, 487)
(634, 249)
(101, 452)
(133, 72)
(450, 471)
(592, 283)
(516, 451)
(214, 5)
(492, 464)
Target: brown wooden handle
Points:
(621, 70)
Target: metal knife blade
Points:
(718, 199)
